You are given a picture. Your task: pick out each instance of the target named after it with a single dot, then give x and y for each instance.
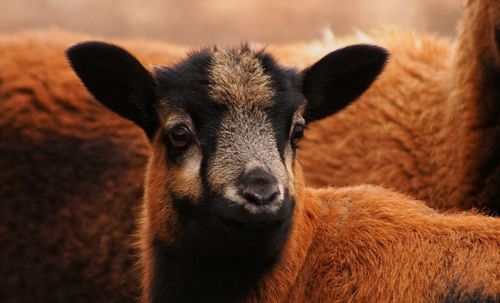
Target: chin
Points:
(220, 228)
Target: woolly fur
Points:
(71, 172)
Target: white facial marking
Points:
(288, 155)
(231, 193)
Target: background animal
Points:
(429, 127)
(227, 216)
(69, 185)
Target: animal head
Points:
(224, 126)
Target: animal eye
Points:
(297, 134)
(180, 136)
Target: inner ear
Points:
(117, 80)
(339, 78)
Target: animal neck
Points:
(173, 274)
(185, 278)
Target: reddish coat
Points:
(65, 161)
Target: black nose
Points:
(258, 187)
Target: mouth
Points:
(221, 227)
(239, 218)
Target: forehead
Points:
(237, 79)
(224, 79)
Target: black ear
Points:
(117, 80)
(340, 77)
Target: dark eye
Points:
(180, 136)
(297, 134)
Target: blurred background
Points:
(201, 22)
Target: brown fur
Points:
(70, 171)
(374, 245)
(429, 127)
(70, 179)
(353, 244)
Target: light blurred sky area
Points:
(200, 22)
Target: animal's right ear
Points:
(117, 80)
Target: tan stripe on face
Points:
(238, 79)
(246, 140)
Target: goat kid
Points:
(227, 217)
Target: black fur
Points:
(215, 260)
(286, 84)
(339, 78)
(488, 172)
(180, 278)
(215, 227)
(220, 252)
(497, 36)
(457, 295)
(117, 80)
(186, 86)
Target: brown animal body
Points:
(227, 216)
(71, 179)
(429, 127)
(71, 172)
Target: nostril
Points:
(272, 196)
(252, 197)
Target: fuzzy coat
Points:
(71, 172)
(430, 125)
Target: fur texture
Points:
(70, 179)
(429, 126)
(357, 244)
(71, 172)
(354, 244)
(371, 244)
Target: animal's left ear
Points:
(339, 78)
